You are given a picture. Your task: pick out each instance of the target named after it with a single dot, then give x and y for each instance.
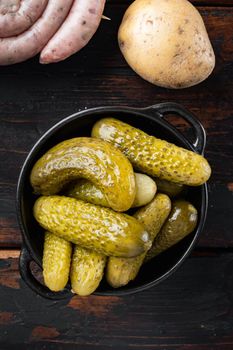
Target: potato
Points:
(166, 43)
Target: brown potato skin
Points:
(172, 51)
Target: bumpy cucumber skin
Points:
(91, 226)
(87, 269)
(89, 192)
(172, 189)
(181, 222)
(120, 271)
(153, 156)
(56, 262)
(92, 159)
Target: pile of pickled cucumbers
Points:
(85, 186)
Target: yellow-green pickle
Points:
(87, 269)
(153, 156)
(92, 226)
(56, 262)
(93, 159)
(172, 189)
(89, 192)
(181, 222)
(122, 270)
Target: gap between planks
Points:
(196, 3)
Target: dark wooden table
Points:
(193, 309)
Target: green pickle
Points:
(56, 262)
(172, 189)
(181, 222)
(93, 159)
(89, 192)
(87, 269)
(91, 226)
(121, 271)
(153, 156)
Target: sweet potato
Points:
(19, 48)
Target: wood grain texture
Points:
(98, 75)
(190, 310)
(197, 3)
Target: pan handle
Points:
(26, 274)
(162, 109)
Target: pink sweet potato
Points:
(19, 48)
(76, 31)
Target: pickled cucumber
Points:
(172, 189)
(122, 270)
(91, 226)
(56, 262)
(145, 190)
(92, 159)
(153, 156)
(87, 269)
(181, 221)
(89, 192)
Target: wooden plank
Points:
(49, 93)
(190, 310)
(54, 96)
(210, 3)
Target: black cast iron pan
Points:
(151, 120)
